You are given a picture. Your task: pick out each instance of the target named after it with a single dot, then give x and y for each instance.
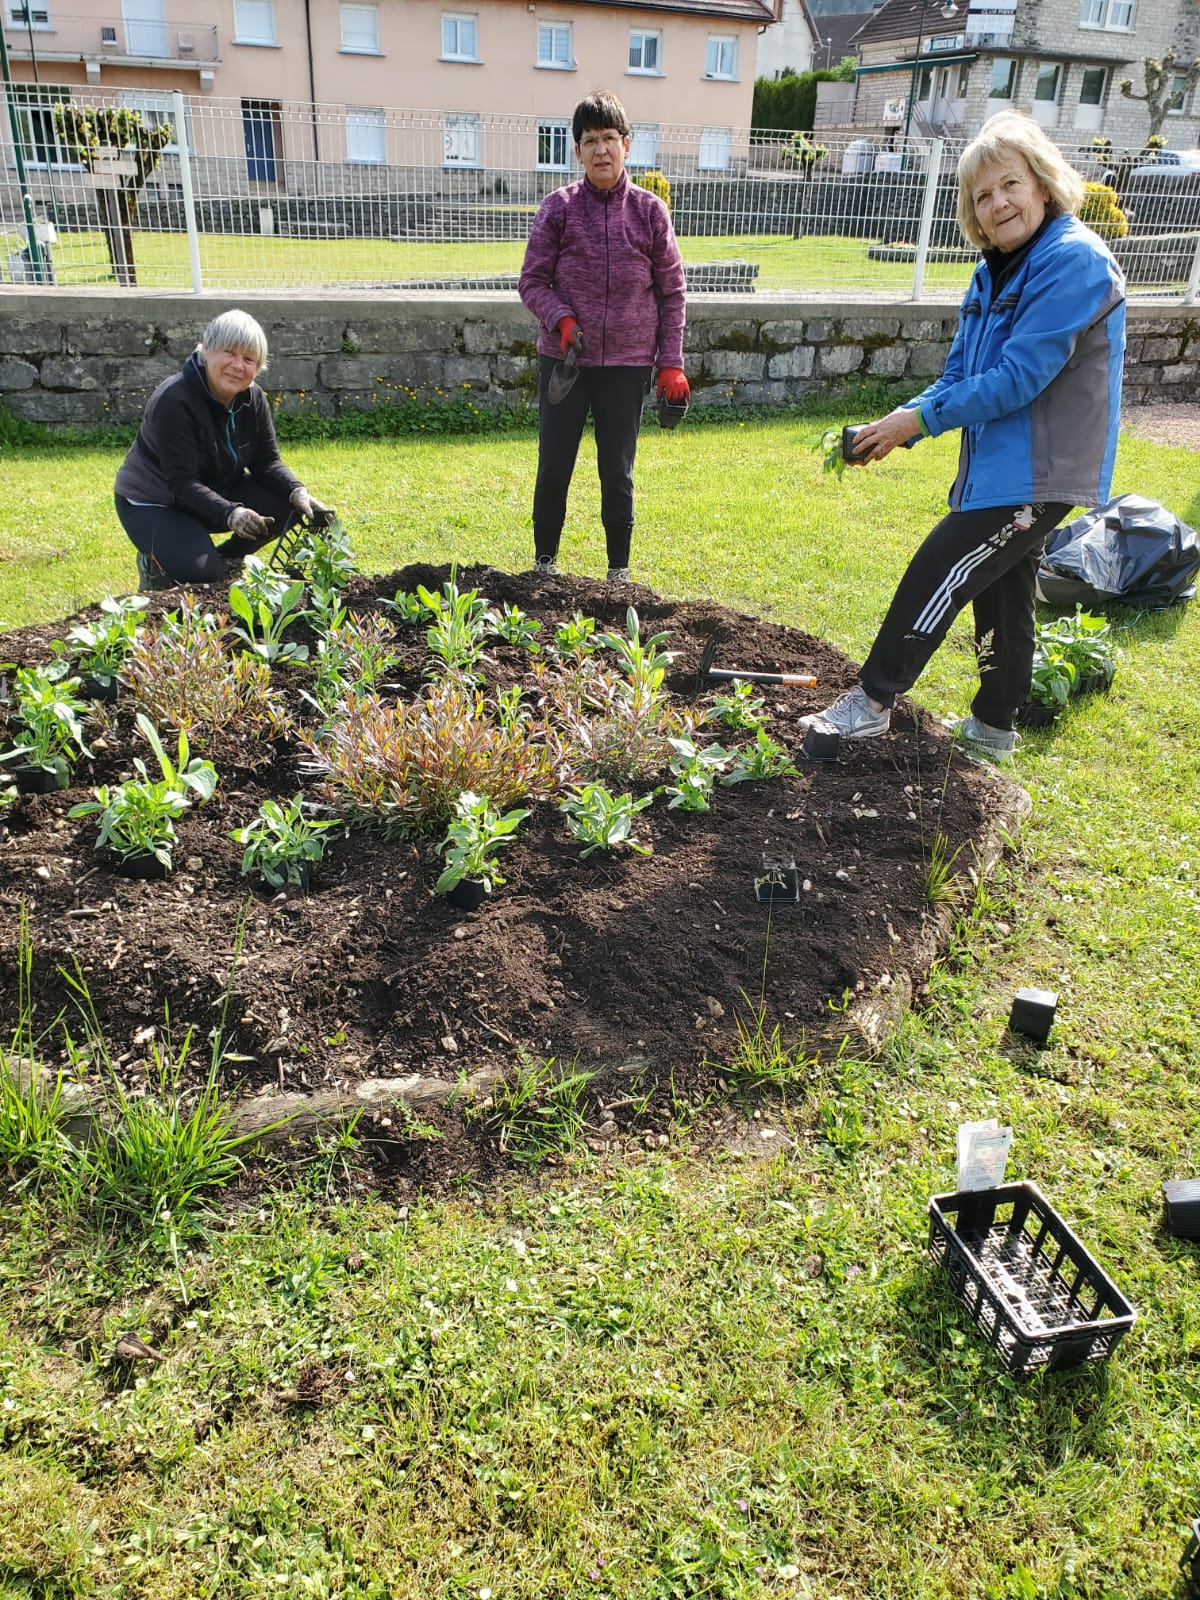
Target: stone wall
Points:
(81, 357)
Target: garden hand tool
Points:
(562, 379)
(674, 393)
(706, 673)
(130, 1348)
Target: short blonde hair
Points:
(236, 330)
(1013, 133)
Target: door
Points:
(145, 27)
(260, 121)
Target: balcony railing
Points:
(89, 39)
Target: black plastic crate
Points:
(1037, 1296)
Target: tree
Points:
(1161, 97)
(120, 150)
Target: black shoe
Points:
(150, 575)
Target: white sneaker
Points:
(852, 716)
(619, 575)
(981, 738)
(547, 566)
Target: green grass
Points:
(724, 1373)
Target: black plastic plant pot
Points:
(1181, 1207)
(779, 881)
(1033, 714)
(1093, 683)
(1189, 1561)
(146, 868)
(849, 434)
(671, 415)
(1033, 1012)
(468, 894)
(93, 688)
(821, 742)
(35, 780)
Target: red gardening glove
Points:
(673, 384)
(570, 333)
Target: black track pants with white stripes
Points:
(990, 558)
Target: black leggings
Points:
(182, 547)
(614, 396)
(989, 557)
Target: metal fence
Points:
(252, 194)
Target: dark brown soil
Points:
(636, 967)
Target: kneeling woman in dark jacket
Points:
(205, 460)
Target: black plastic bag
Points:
(1131, 550)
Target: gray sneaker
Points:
(980, 738)
(547, 566)
(619, 575)
(150, 575)
(851, 716)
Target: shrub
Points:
(654, 180)
(1101, 210)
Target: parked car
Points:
(1169, 164)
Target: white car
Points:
(1169, 164)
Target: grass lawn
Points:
(679, 1373)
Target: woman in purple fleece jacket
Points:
(604, 278)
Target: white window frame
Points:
(1180, 110)
(248, 16)
(999, 61)
(560, 37)
(362, 36)
(716, 150)
(556, 131)
(721, 57)
(454, 23)
(42, 98)
(27, 16)
(467, 125)
(1043, 67)
(1114, 16)
(638, 40)
(157, 108)
(643, 148)
(366, 136)
(1083, 77)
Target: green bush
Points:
(1101, 210)
(654, 180)
(790, 102)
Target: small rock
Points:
(663, 1139)
(194, 863)
(608, 1130)
(450, 1044)
(813, 1266)
(460, 932)
(715, 1008)
(41, 872)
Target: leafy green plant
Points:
(601, 728)
(603, 821)
(941, 881)
(537, 1112)
(739, 708)
(514, 627)
(267, 603)
(472, 841)
(763, 759)
(50, 716)
(282, 841)
(408, 606)
(137, 818)
(642, 662)
(1053, 678)
(33, 1142)
(98, 649)
(1083, 640)
(355, 652)
(461, 623)
(695, 769)
(829, 444)
(575, 638)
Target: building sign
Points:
(942, 42)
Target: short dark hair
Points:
(601, 109)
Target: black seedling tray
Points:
(1190, 1559)
(1037, 1296)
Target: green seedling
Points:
(98, 649)
(514, 627)
(829, 444)
(461, 622)
(603, 821)
(472, 841)
(49, 717)
(267, 604)
(282, 841)
(695, 769)
(740, 708)
(137, 818)
(762, 759)
(576, 638)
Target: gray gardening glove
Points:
(247, 524)
(311, 510)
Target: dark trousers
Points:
(614, 397)
(182, 547)
(989, 558)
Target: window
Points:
(645, 51)
(643, 151)
(924, 83)
(964, 78)
(1178, 97)
(1004, 77)
(1107, 14)
(33, 105)
(156, 112)
(720, 59)
(254, 21)
(716, 149)
(460, 37)
(554, 146)
(28, 16)
(554, 45)
(1091, 88)
(462, 139)
(360, 30)
(1049, 74)
(366, 136)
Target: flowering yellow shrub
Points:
(1101, 210)
(651, 178)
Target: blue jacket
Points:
(1034, 379)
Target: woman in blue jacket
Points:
(1033, 380)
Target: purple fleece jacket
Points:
(608, 258)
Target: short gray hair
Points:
(236, 330)
(1013, 133)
